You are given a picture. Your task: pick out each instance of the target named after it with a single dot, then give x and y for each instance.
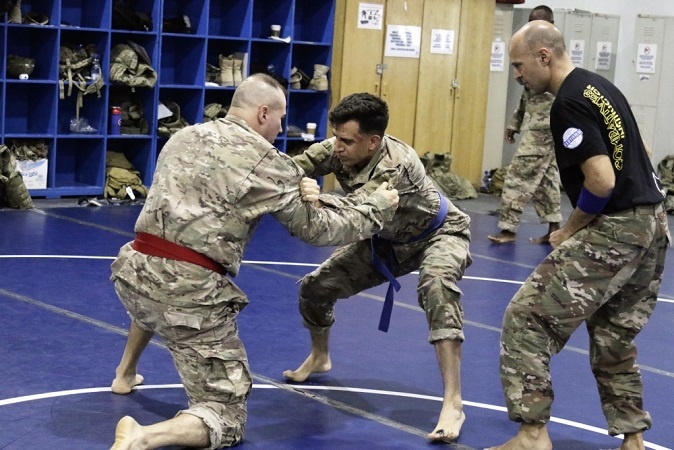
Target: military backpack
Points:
(75, 70)
(130, 64)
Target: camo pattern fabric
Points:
(204, 343)
(129, 67)
(608, 276)
(533, 112)
(666, 174)
(533, 173)
(441, 257)
(13, 191)
(438, 169)
(213, 183)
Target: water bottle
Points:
(116, 120)
(95, 69)
(486, 181)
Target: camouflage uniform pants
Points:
(532, 175)
(441, 260)
(608, 276)
(208, 354)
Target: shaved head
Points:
(261, 102)
(257, 90)
(539, 58)
(537, 34)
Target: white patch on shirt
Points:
(572, 138)
(657, 182)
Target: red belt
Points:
(150, 244)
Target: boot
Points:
(236, 68)
(226, 70)
(212, 74)
(295, 78)
(320, 80)
(14, 15)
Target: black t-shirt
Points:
(590, 117)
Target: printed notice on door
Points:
(646, 57)
(497, 56)
(403, 41)
(577, 52)
(370, 16)
(603, 56)
(442, 41)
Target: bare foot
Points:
(545, 239)
(529, 437)
(313, 364)
(448, 427)
(124, 384)
(503, 237)
(633, 441)
(128, 435)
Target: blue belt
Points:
(385, 269)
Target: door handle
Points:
(455, 87)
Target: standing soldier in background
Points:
(533, 173)
(213, 183)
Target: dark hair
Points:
(542, 12)
(368, 110)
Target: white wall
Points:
(628, 11)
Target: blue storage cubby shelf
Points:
(31, 109)
(230, 19)
(143, 98)
(85, 14)
(38, 43)
(222, 96)
(139, 152)
(149, 41)
(98, 38)
(226, 47)
(195, 10)
(305, 56)
(272, 56)
(3, 54)
(49, 8)
(79, 162)
(181, 60)
(189, 100)
(272, 12)
(306, 106)
(93, 110)
(309, 13)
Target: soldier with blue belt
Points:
(428, 233)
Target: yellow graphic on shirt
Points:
(616, 133)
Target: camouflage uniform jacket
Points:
(13, 191)
(397, 163)
(213, 183)
(534, 110)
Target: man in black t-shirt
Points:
(607, 263)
